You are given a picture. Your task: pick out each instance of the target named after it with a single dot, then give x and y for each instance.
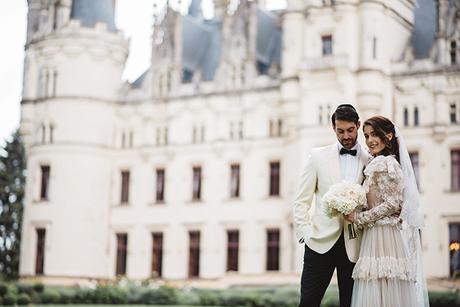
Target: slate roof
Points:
(89, 12)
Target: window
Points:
(194, 254)
(187, 76)
(406, 117)
(324, 114)
(327, 44)
(162, 137)
(196, 183)
(236, 130)
(47, 82)
(122, 247)
(203, 133)
(55, 15)
(416, 117)
(43, 133)
(455, 169)
(240, 130)
(453, 113)
(168, 82)
(320, 115)
(40, 251)
(274, 178)
(414, 158)
(123, 139)
(131, 139)
(157, 254)
(46, 133)
(55, 74)
(198, 133)
(45, 180)
(51, 133)
(235, 180)
(124, 187)
(158, 137)
(232, 250)
(40, 84)
(262, 68)
(453, 52)
(273, 246)
(276, 127)
(194, 133)
(374, 48)
(160, 185)
(231, 131)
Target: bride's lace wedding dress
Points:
(384, 274)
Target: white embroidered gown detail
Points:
(383, 275)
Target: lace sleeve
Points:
(387, 179)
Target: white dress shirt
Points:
(349, 164)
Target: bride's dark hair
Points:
(382, 126)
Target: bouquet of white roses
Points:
(343, 198)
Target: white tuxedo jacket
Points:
(319, 231)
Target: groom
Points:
(326, 241)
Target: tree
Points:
(12, 183)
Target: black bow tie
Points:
(344, 151)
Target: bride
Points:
(389, 269)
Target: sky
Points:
(134, 18)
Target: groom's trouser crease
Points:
(317, 273)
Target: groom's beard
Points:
(348, 143)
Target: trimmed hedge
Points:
(9, 299)
(25, 294)
(3, 289)
(444, 299)
(24, 299)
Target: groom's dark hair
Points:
(345, 112)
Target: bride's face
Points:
(373, 142)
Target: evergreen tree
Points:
(12, 184)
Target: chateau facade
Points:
(190, 171)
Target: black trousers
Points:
(317, 273)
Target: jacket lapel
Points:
(334, 164)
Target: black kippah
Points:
(346, 105)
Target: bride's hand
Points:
(350, 217)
